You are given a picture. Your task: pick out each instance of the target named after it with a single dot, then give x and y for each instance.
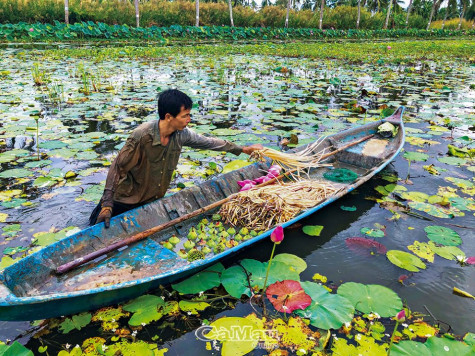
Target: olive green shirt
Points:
(143, 169)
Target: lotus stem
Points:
(268, 268)
(392, 336)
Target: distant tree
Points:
(322, 6)
(388, 13)
(197, 5)
(137, 15)
(231, 12)
(66, 12)
(409, 8)
(287, 15)
(462, 8)
(359, 15)
(435, 6)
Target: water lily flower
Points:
(277, 235)
(401, 316)
(31, 29)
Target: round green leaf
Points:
(145, 309)
(410, 348)
(442, 346)
(312, 230)
(371, 298)
(372, 232)
(327, 311)
(234, 280)
(443, 235)
(405, 260)
(16, 173)
(236, 164)
(202, 281)
(295, 262)
(415, 156)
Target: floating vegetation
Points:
(264, 207)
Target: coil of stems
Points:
(262, 208)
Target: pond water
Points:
(86, 109)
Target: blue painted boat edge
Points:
(12, 300)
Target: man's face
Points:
(182, 120)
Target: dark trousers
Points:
(117, 209)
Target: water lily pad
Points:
(365, 246)
(327, 311)
(454, 161)
(416, 156)
(423, 250)
(294, 262)
(15, 349)
(234, 280)
(371, 298)
(439, 346)
(409, 348)
(224, 330)
(372, 232)
(287, 296)
(16, 173)
(443, 235)
(236, 164)
(447, 252)
(405, 260)
(193, 306)
(312, 230)
(76, 322)
(431, 209)
(201, 281)
(146, 309)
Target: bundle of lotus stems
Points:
(306, 158)
(264, 207)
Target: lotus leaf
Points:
(15, 349)
(234, 280)
(228, 331)
(133, 348)
(366, 346)
(295, 262)
(405, 260)
(193, 306)
(431, 209)
(423, 250)
(372, 232)
(447, 252)
(109, 317)
(439, 346)
(454, 161)
(416, 156)
(75, 322)
(16, 173)
(146, 308)
(371, 298)
(201, 281)
(443, 235)
(410, 348)
(236, 164)
(312, 230)
(327, 311)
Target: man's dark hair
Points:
(171, 101)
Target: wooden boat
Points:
(30, 288)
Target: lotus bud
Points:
(247, 187)
(242, 183)
(277, 235)
(401, 316)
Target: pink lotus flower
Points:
(242, 183)
(389, 47)
(31, 29)
(470, 260)
(401, 316)
(277, 235)
(262, 179)
(247, 187)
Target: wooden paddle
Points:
(142, 235)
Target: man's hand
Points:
(105, 216)
(249, 149)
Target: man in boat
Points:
(143, 169)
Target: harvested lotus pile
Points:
(263, 207)
(307, 158)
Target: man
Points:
(143, 169)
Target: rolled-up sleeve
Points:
(194, 140)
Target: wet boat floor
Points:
(146, 258)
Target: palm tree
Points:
(197, 4)
(231, 12)
(137, 15)
(287, 15)
(464, 7)
(359, 15)
(409, 8)
(66, 12)
(388, 14)
(322, 5)
(435, 5)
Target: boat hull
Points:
(29, 289)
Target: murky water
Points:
(246, 100)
